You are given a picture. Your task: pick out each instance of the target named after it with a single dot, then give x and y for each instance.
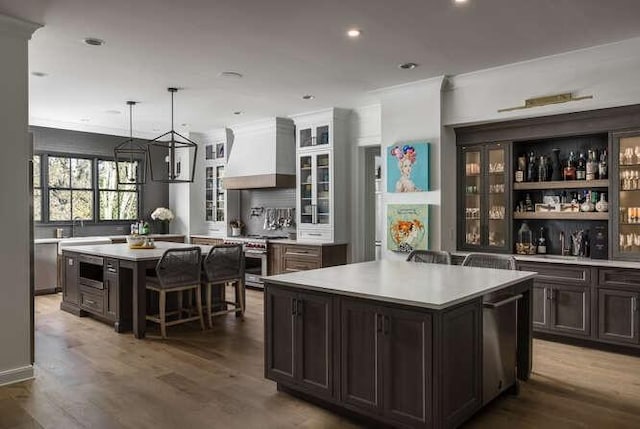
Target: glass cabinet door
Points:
(306, 138)
(306, 189)
(322, 135)
(497, 230)
(209, 197)
(472, 197)
(322, 189)
(627, 243)
(220, 194)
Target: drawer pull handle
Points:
(501, 303)
(88, 301)
(634, 301)
(315, 234)
(299, 253)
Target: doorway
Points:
(373, 223)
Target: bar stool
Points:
(487, 260)
(178, 270)
(225, 264)
(430, 257)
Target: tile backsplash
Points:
(265, 198)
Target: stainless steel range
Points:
(255, 257)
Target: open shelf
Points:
(561, 184)
(562, 215)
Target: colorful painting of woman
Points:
(408, 168)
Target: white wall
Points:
(608, 72)
(15, 296)
(409, 113)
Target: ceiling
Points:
(284, 49)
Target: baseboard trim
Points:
(16, 375)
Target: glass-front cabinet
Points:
(214, 194)
(626, 193)
(315, 188)
(484, 198)
(314, 135)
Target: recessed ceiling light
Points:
(93, 41)
(459, 1)
(308, 97)
(354, 32)
(230, 75)
(38, 74)
(407, 66)
(238, 112)
(112, 112)
(85, 119)
(184, 124)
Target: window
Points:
(37, 188)
(70, 188)
(117, 202)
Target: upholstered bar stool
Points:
(177, 271)
(223, 265)
(486, 260)
(430, 257)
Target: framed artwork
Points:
(407, 227)
(408, 167)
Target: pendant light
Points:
(130, 157)
(172, 156)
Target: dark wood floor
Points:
(90, 377)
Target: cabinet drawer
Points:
(302, 252)
(315, 235)
(558, 273)
(93, 260)
(618, 277)
(111, 266)
(207, 241)
(298, 264)
(91, 300)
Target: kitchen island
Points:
(404, 344)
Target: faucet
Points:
(563, 249)
(73, 225)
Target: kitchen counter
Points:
(430, 286)
(111, 237)
(123, 252)
(568, 260)
(276, 241)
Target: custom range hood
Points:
(263, 155)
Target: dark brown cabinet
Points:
(300, 326)
(111, 285)
(386, 362)
(618, 319)
(70, 291)
(540, 307)
(288, 258)
(569, 309)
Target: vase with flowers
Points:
(236, 227)
(163, 216)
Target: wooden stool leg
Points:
(209, 305)
(163, 313)
(199, 305)
(240, 297)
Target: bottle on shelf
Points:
(531, 168)
(542, 243)
(592, 165)
(528, 204)
(570, 169)
(602, 165)
(581, 168)
(522, 166)
(543, 169)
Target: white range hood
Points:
(263, 155)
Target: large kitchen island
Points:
(399, 343)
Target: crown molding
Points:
(11, 26)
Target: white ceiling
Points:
(285, 48)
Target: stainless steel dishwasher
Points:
(499, 344)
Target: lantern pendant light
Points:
(130, 157)
(172, 156)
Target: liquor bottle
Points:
(531, 168)
(543, 169)
(522, 166)
(581, 168)
(528, 204)
(592, 166)
(602, 165)
(542, 243)
(570, 169)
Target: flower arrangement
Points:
(236, 223)
(163, 214)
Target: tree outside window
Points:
(37, 188)
(117, 202)
(70, 184)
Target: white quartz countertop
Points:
(277, 240)
(431, 286)
(570, 260)
(122, 250)
(111, 237)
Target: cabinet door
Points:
(305, 189)
(111, 289)
(359, 355)
(470, 198)
(618, 316)
(570, 309)
(540, 307)
(496, 189)
(625, 165)
(70, 286)
(279, 325)
(406, 362)
(322, 188)
(313, 343)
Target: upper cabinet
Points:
(626, 194)
(484, 198)
(322, 162)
